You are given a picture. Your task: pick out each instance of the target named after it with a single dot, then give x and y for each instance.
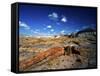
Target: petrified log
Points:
(50, 54)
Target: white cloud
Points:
(52, 30)
(64, 19)
(55, 15)
(24, 25)
(49, 26)
(35, 31)
(63, 32)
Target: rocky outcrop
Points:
(86, 32)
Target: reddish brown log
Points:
(50, 54)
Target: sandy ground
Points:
(30, 47)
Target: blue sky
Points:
(50, 20)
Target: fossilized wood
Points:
(50, 54)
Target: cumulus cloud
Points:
(49, 26)
(52, 30)
(24, 25)
(36, 31)
(53, 16)
(64, 19)
(62, 32)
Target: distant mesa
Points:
(86, 32)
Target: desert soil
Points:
(30, 47)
